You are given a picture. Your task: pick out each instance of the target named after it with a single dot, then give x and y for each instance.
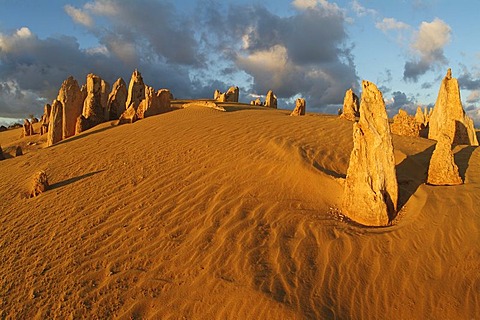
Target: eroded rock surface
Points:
(271, 100)
(371, 190)
(136, 90)
(448, 116)
(55, 123)
(39, 184)
(27, 128)
(351, 106)
(71, 98)
(117, 100)
(405, 125)
(300, 106)
(442, 170)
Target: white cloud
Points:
(427, 46)
(474, 96)
(361, 10)
(432, 38)
(324, 5)
(391, 24)
(79, 16)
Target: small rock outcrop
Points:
(136, 90)
(300, 106)
(129, 116)
(448, 116)
(231, 95)
(2, 157)
(351, 106)
(256, 102)
(271, 100)
(204, 104)
(371, 189)
(405, 125)
(55, 123)
(45, 119)
(154, 103)
(442, 170)
(116, 100)
(27, 128)
(71, 99)
(420, 116)
(39, 184)
(92, 107)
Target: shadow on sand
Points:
(86, 134)
(411, 173)
(72, 180)
(462, 158)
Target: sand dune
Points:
(201, 214)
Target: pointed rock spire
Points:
(371, 190)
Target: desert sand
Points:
(201, 214)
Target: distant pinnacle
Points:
(449, 74)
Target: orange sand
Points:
(201, 214)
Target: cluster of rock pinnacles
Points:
(77, 109)
(371, 188)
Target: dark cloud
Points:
(427, 85)
(468, 82)
(401, 101)
(192, 53)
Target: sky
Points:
(315, 49)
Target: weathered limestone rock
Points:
(371, 190)
(136, 90)
(55, 123)
(442, 170)
(448, 116)
(204, 104)
(300, 106)
(350, 106)
(405, 125)
(154, 103)
(82, 124)
(230, 96)
(2, 157)
(420, 117)
(271, 100)
(39, 184)
(104, 93)
(27, 128)
(117, 100)
(256, 102)
(92, 107)
(71, 98)
(129, 116)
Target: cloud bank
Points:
(307, 53)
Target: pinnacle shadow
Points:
(462, 159)
(411, 174)
(72, 180)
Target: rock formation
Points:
(39, 184)
(448, 116)
(129, 116)
(154, 103)
(82, 124)
(405, 125)
(442, 169)
(300, 106)
(71, 99)
(230, 96)
(45, 119)
(271, 100)
(104, 94)
(117, 100)
(256, 102)
(204, 104)
(136, 90)
(2, 157)
(371, 190)
(55, 123)
(92, 107)
(18, 151)
(27, 128)
(350, 106)
(420, 116)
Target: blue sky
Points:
(316, 49)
